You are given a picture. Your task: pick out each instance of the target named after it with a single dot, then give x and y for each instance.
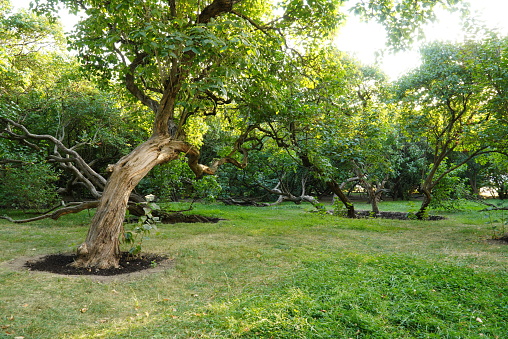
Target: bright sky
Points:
(365, 39)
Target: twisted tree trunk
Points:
(101, 248)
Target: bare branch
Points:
(252, 22)
(58, 213)
(71, 155)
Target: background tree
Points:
(44, 90)
(446, 104)
(410, 159)
(27, 181)
(363, 143)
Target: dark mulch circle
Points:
(501, 240)
(393, 215)
(174, 218)
(60, 264)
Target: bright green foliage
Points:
(451, 99)
(221, 57)
(450, 105)
(22, 36)
(352, 134)
(52, 95)
(145, 225)
(488, 61)
(451, 190)
(44, 89)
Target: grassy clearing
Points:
(278, 272)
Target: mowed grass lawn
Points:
(273, 272)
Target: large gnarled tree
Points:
(182, 60)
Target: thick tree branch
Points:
(80, 166)
(286, 195)
(133, 88)
(73, 208)
(215, 9)
(251, 21)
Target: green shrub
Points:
(450, 192)
(169, 182)
(30, 186)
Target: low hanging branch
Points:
(285, 195)
(68, 159)
(65, 156)
(71, 208)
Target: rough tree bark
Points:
(101, 248)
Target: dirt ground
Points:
(392, 215)
(130, 268)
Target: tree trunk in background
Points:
(422, 212)
(371, 191)
(332, 184)
(101, 248)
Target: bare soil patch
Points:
(392, 215)
(174, 218)
(61, 264)
(130, 267)
(502, 240)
